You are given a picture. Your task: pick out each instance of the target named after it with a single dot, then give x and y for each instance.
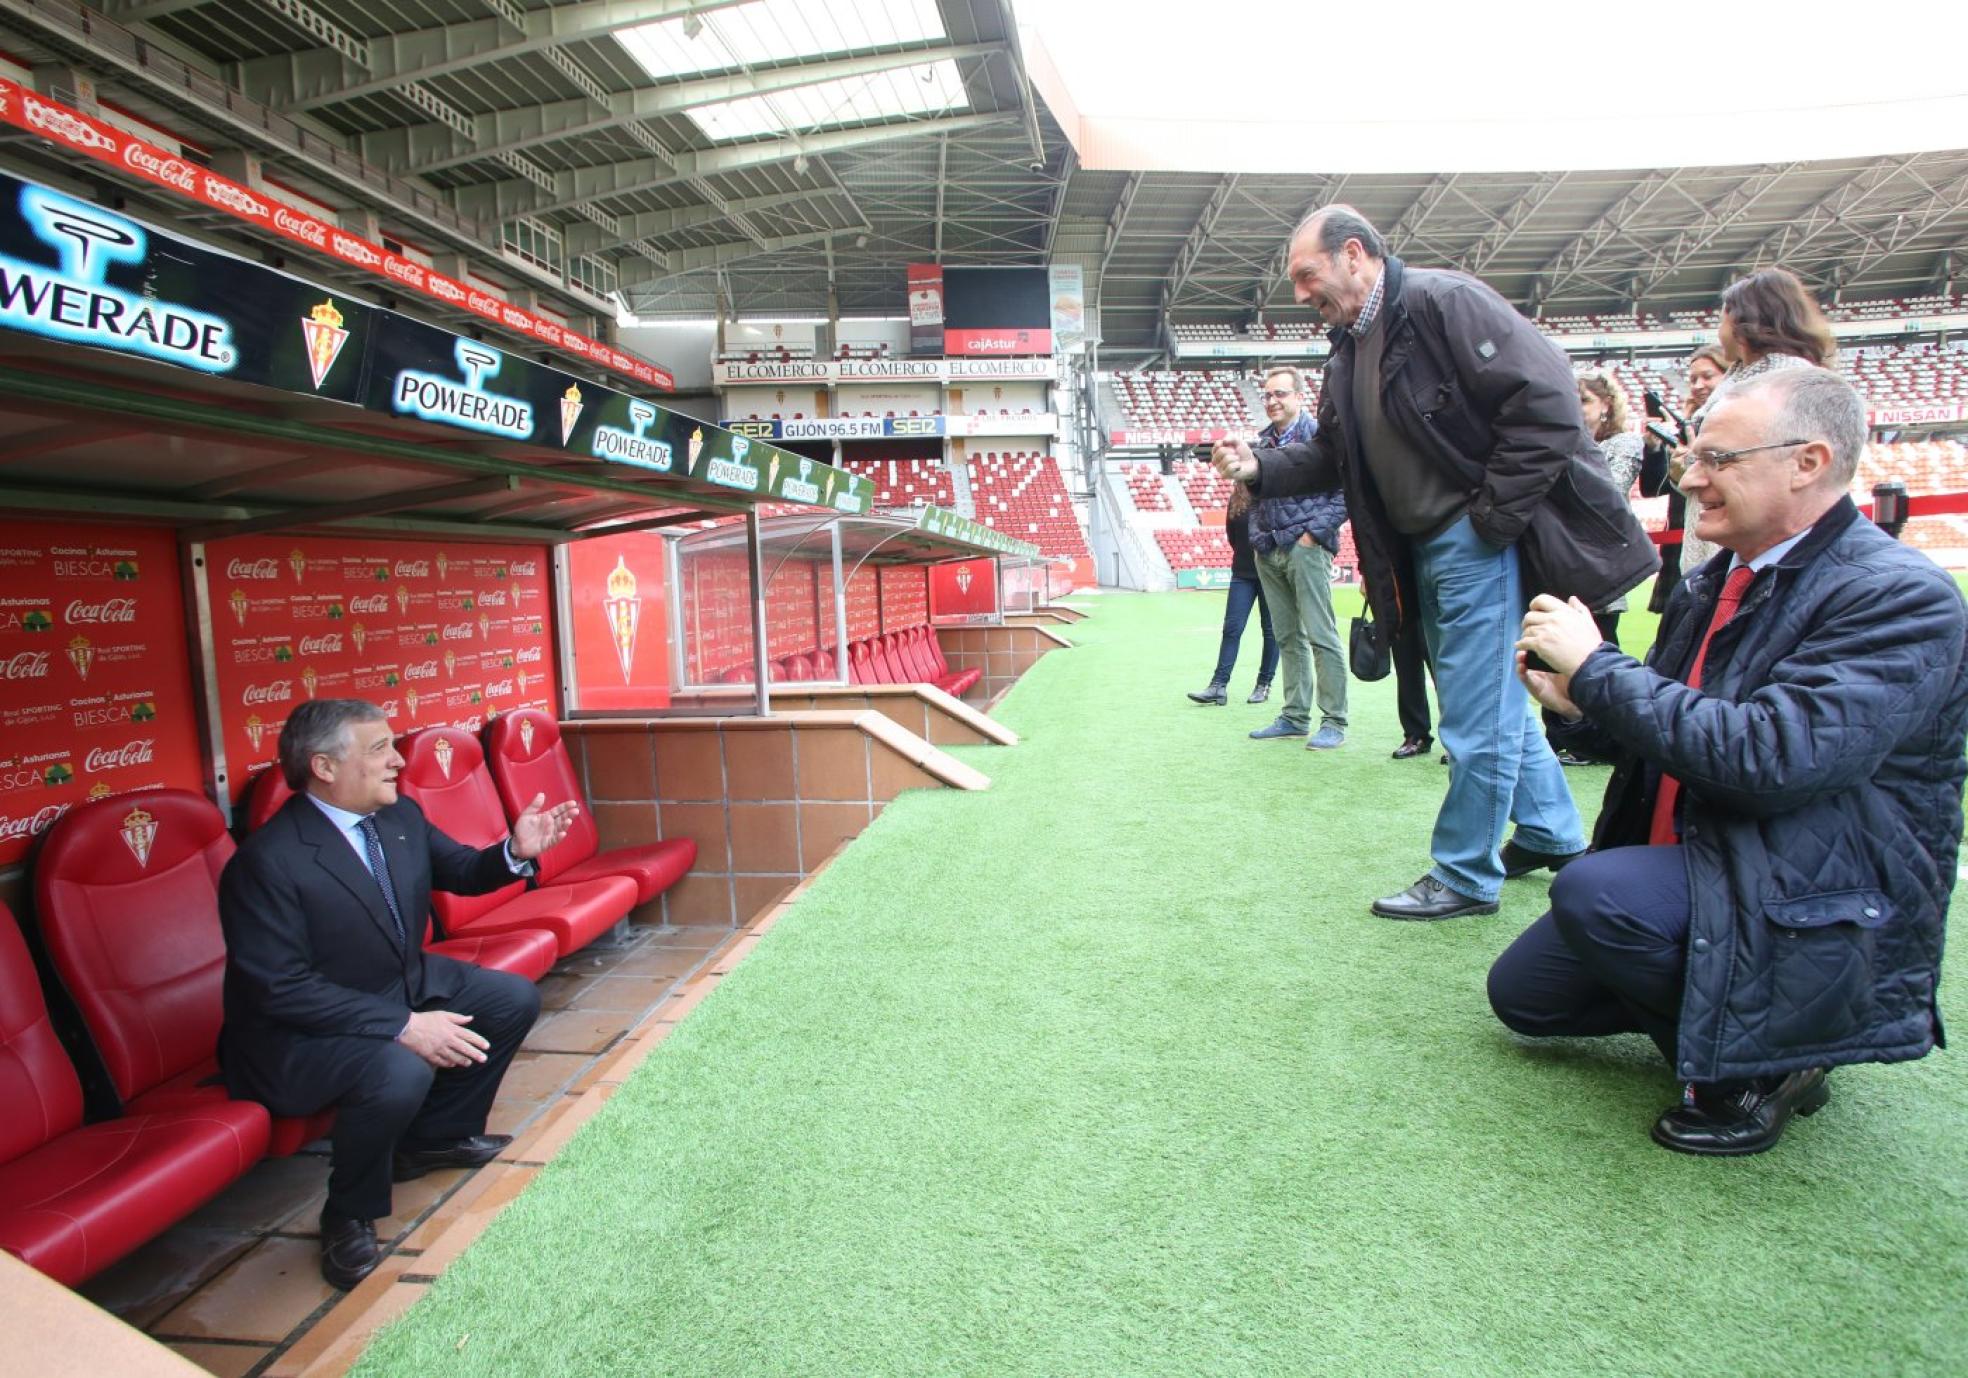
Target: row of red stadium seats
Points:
(127, 903)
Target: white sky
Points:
(1259, 86)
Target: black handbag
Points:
(1370, 655)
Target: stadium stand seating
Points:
(127, 896)
(1195, 547)
(906, 482)
(1024, 495)
(1203, 486)
(527, 758)
(1144, 484)
(1197, 400)
(75, 1198)
(528, 952)
(444, 772)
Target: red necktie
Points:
(1663, 833)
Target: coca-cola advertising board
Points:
(620, 599)
(433, 634)
(95, 675)
(964, 591)
(904, 597)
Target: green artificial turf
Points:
(1108, 1071)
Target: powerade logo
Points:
(734, 472)
(624, 448)
(468, 404)
(75, 304)
(802, 489)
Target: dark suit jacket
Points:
(311, 951)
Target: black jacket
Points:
(310, 949)
(1467, 378)
(1236, 530)
(1821, 768)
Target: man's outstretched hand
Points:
(1233, 459)
(538, 828)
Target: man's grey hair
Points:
(1814, 404)
(320, 727)
(1298, 379)
(1339, 223)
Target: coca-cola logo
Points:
(495, 599)
(504, 686)
(109, 610)
(423, 669)
(268, 568)
(137, 753)
(404, 270)
(278, 691)
(457, 631)
(483, 304)
(25, 665)
(171, 171)
(529, 655)
(302, 227)
(29, 825)
(373, 604)
(234, 198)
(328, 645)
(525, 569)
(413, 569)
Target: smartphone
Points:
(1663, 434)
(1656, 408)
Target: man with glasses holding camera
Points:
(1772, 866)
(1294, 540)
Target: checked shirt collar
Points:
(1372, 308)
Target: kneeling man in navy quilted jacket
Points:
(1770, 874)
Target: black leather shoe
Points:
(1260, 692)
(1748, 1118)
(476, 1151)
(1428, 898)
(1412, 747)
(348, 1250)
(1213, 694)
(1521, 861)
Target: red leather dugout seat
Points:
(444, 772)
(127, 894)
(529, 758)
(75, 1198)
(953, 682)
(861, 668)
(528, 952)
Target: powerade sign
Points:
(464, 400)
(78, 274)
(73, 301)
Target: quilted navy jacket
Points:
(1821, 764)
(1277, 523)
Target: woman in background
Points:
(1244, 591)
(1769, 322)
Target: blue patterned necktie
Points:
(379, 866)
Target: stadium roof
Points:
(771, 155)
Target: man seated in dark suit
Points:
(1771, 872)
(330, 999)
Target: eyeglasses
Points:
(1278, 393)
(1716, 460)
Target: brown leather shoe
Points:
(1412, 747)
(349, 1252)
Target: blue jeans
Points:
(1236, 614)
(1472, 603)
